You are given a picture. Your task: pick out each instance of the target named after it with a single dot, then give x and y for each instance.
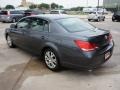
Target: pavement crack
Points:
(19, 78)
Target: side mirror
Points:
(12, 26)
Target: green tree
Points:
(33, 6)
(99, 7)
(54, 5)
(43, 5)
(61, 7)
(77, 9)
(9, 7)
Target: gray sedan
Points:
(61, 40)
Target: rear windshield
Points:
(75, 25)
(118, 12)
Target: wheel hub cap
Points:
(9, 41)
(50, 59)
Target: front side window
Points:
(13, 12)
(39, 24)
(4, 12)
(24, 23)
(75, 25)
(118, 13)
(63, 12)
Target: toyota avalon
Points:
(62, 40)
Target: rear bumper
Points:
(89, 61)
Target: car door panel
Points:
(17, 36)
(37, 36)
(38, 39)
(19, 33)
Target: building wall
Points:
(111, 3)
(23, 3)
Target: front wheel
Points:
(10, 42)
(51, 60)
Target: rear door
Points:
(16, 14)
(118, 15)
(39, 34)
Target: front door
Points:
(18, 33)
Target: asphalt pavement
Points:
(20, 70)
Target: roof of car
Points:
(53, 16)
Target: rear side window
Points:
(118, 13)
(16, 12)
(54, 12)
(75, 25)
(4, 12)
(39, 24)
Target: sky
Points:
(65, 3)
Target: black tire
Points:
(10, 42)
(104, 19)
(113, 20)
(54, 60)
(89, 19)
(3, 21)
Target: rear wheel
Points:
(104, 19)
(10, 42)
(51, 60)
(13, 20)
(113, 20)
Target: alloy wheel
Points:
(9, 41)
(50, 59)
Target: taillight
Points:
(85, 45)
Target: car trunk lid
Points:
(99, 37)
